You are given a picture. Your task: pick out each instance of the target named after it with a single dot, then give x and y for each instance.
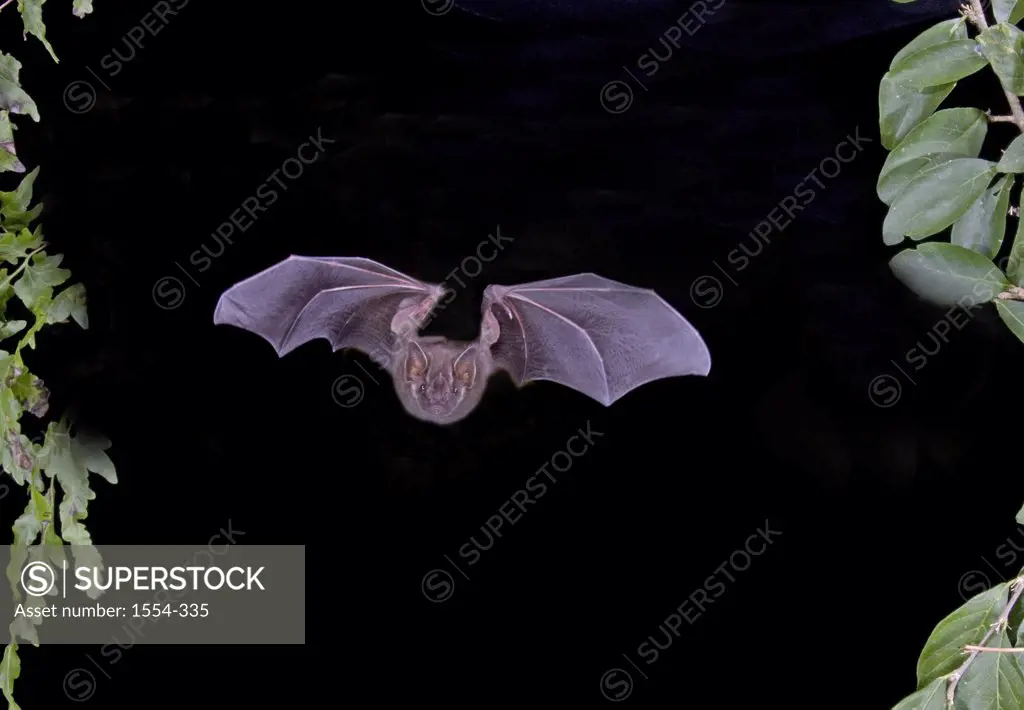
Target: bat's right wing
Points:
(350, 301)
(599, 337)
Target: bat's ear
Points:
(415, 360)
(464, 367)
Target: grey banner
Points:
(156, 594)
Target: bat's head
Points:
(443, 381)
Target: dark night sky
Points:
(445, 127)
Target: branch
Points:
(5, 4)
(1000, 119)
(975, 13)
(986, 649)
(1018, 587)
(1012, 293)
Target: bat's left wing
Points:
(599, 337)
(350, 301)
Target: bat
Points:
(597, 336)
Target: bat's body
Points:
(595, 335)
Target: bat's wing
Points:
(598, 336)
(350, 301)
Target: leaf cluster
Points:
(54, 467)
(934, 179)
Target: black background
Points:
(444, 127)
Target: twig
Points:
(986, 649)
(1012, 293)
(1000, 119)
(976, 14)
(5, 4)
(1018, 587)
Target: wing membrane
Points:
(349, 301)
(600, 337)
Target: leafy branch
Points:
(54, 467)
(999, 626)
(934, 178)
(976, 14)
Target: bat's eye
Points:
(423, 389)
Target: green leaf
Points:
(32, 17)
(954, 132)
(894, 183)
(91, 453)
(28, 525)
(71, 459)
(12, 97)
(1013, 157)
(17, 221)
(983, 226)
(936, 198)
(70, 302)
(17, 459)
(52, 541)
(931, 697)
(41, 506)
(28, 338)
(1002, 9)
(12, 327)
(78, 536)
(10, 669)
(23, 193)
(6, 360)
(31, 393)
(1014, 272)
(965, 626)
(10, 412)
(1012, 314)
(948, 275)
(1011, 11)
(26, 628)
(994, 681)
(944, 31)
(36, 282)
(939, 64)
(1003, 46)
(1017, 609)
(15, 246)
(14, 206)
(8, 153)
(82, 8)
(901, 107)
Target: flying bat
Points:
(597, 336)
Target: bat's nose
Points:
(437, 389)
